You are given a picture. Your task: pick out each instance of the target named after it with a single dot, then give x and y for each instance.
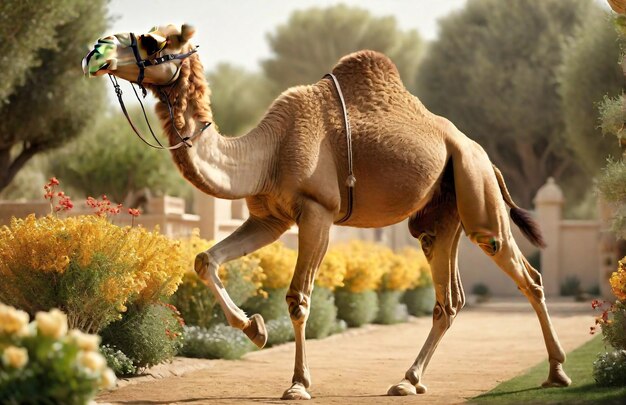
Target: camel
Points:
(291, 169)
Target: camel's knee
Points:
(205, 266)
(444, 314)
(298, 304)
(490, 243)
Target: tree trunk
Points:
(10, 167)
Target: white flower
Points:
(92, 361)
(84, 341)
(52, 324)
(108, 379)
(12, 321)
(15, 357)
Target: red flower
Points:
(92, 202)
(54, 181)
(134, 212)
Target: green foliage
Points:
(323, 314)
(238, 98)
(195, 301)
(570, 286)
(609, 369)
(612, 186)
(481, 289)
(420, 300)
(313, 40)
(612, 117)
(271, 307)
(118, 361)
(390, 310)
(279, 330)
(46, 101)
(589, 72)
(149, 335)
(218, 342)
(614, 330)
(111, 160)
(492, 73)
(357, 309)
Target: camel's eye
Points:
(150, 44)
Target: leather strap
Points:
(351, 179)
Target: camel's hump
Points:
(366, 62)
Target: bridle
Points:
(142, 64)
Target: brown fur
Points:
(292, 168)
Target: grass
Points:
(526, 388)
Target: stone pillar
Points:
(212, 211)
(549, 207)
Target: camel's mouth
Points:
(101, 58)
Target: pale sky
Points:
(235, 31)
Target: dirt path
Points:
(486, 345)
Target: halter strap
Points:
(186, 141)
(351, 179)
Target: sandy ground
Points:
(487, 344)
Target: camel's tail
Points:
(520, 217)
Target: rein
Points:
(142, 63)
(351, 179)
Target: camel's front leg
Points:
(314, 225)
(253, 234)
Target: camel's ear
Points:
(186, 32)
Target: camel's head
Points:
(123, 55)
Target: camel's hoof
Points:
(296, 392)
(404, 388)
(255, 330)
(557, 377)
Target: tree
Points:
(239, 98)
(111, 160)
(47, 101)
(492, 73)
(313, 40)
(590, 71)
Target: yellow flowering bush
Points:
(42, 363)
(618, 281)
(277, 263)
(332, 270)
(366, 263)
(85, 265)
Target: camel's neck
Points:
(223, 167)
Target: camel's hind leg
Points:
(485, 220)
(438, 231)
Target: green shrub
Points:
(279, 331)
(420, 300)
(148, 336)
(610, 368)
(481, 290)
(339, 326)
(390, 310)
(356, 309)
(323, 315)
(195, 301)
(614, 331)
(570, 286)
(118, 361)
(271, 307)
(218, 342)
